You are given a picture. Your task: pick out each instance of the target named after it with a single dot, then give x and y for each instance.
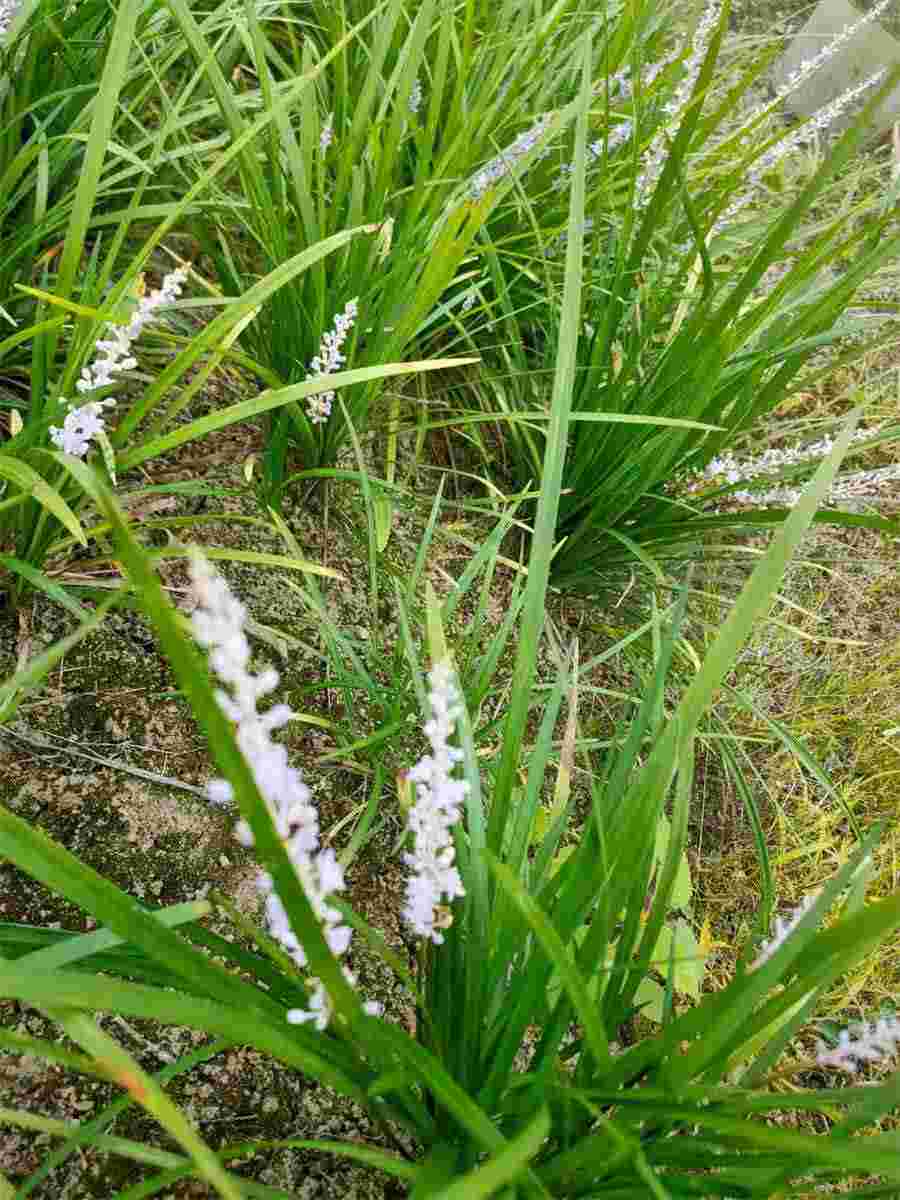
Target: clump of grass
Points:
(839, 694)
(853, 727)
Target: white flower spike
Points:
(435, 881)
(772, 462)
(655, 160)
(328, 360)
(783, 930)
(8, 10)
(326, 137)
(218, 622)
(415, 96)
(866, 1043)
(82, 424)
(506, 160)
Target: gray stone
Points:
(870, 50)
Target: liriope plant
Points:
(420, 121)
(496, 1091)
(710, 288)
(84, 310)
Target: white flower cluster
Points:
(655, 159)
(617, 84)
(770, 462)
(8, 10)
(809, 66)
(859, 486)
(773, 460)
(506, 160)
(783, 930)
(617, 135)
(327, 361)
(825, 117)
(326, 137)
(822, 120)
(435, 879)
(704, 31)
(218, 625)
(622, 84)
(415, 96)
(867, 1042)
(82, 424)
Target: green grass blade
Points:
(124, 1070)
(270, 400)
(73, 949)
(30, 482)
(556, 950)
(107, 100)
(231, 1019)
(87, 1131)
(502, 1168)
(548, 504)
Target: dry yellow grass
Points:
(839, 693)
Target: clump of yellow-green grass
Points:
(832, 681)
(853, 726)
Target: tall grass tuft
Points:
(89, 207)
(418, 121)
(709, 288)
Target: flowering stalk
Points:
(8, 10)
(506, 160)
(82, 424)
(675, 108)
(415, 96)
(616, 135)
(773, 461)
(435, 879)
(809, 66)
(866, 1042)
(767, 162)
(328, 360)
(679, 101)
(849, 488)
(326, 137)
(218, 623)
(783, 930)
(862, 1043)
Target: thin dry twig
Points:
(41, 743)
